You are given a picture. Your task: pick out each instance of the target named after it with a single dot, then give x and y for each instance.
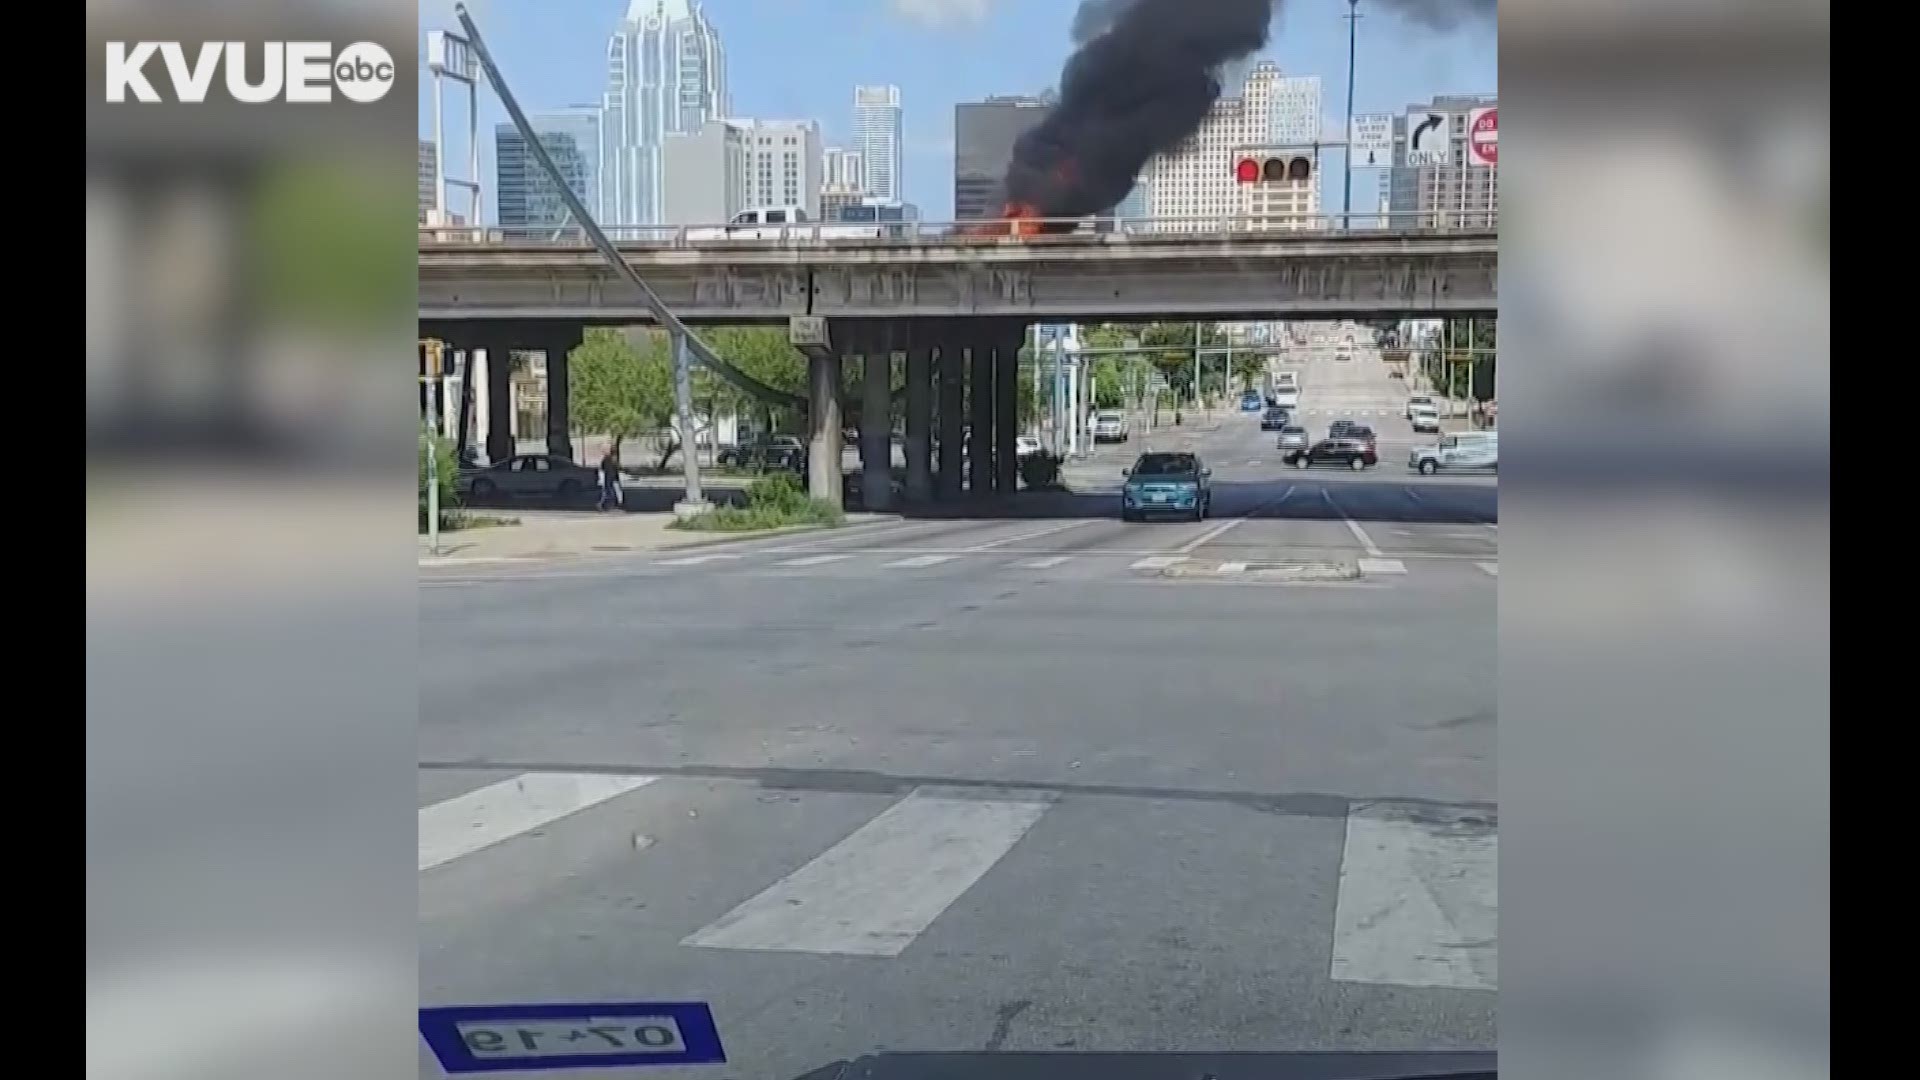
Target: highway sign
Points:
(1370, 143)
(1429, 138)
(1483, 132)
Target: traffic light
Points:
(1272, 169)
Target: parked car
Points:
(527, 476)
(765, 452)
(1346, 452)
(1466, 451)
(1167, 483)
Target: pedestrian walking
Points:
(611, 497)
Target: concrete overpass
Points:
(952, 310)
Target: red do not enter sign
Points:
(1483, 133)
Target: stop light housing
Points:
(1273, 168)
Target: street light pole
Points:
(1346, 187)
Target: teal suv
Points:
(1173, 485)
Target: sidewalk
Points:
(549, 534)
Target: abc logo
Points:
(363, 71)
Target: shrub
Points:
(442, 450)
(773, 502)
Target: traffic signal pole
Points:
(1346, 185)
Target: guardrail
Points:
(1010, 230)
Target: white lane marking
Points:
(1158, 562)
(1048, 531)
(920, 562)
(1353, 526)
(695, 560)
(1412, 494)
(873, 893)
(1233, 567)
(1417, 904)
(1209, 535)
(1251, 462)
(1047, 563)
(1490, 567)
(466, 823)
(814, 560)
(1382, 566)
(854, 534)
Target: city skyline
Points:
(1019, 52)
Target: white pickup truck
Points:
(782, 222)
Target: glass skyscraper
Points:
(877, 135)
(572, 138)
(666, 75)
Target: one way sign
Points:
(1429, 138)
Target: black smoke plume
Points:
(1143, 79)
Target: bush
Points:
(774, 502)
(442, 450)
(1041, 469)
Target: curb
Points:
(1294, 571)
(792, 530)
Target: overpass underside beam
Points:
(875, 341)
(1008, 337)
(919, 446)
(952, 361)
(980, 398)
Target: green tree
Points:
(618, 390)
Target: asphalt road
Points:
(986, 784)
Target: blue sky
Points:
(789, 59)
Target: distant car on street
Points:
(1466, 451)
(1425, 418)
(1110, 426)
(1026, 445)
(1167, 483)
(1419, 401)
(1350, 453)
(1293, 437)
(1250, 401)
(1274, 418)
(527, 476)
(766, 452)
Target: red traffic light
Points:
(1272, 170)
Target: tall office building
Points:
(666, 74)
(524, 193)
(783, 163)
(1195, 181)
(983, 136)
(429, 162)
(877, 135)
(844, 169)
(1295, 117)
(705, 174)
(1457, 194)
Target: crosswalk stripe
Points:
(466, 823)
(696, 560)
(1233, 567)
(1382, 566)
(1490, 567)
(1417, 903)
(1158, 562)
(815, 560)
(876, 891)
(1043, 564)
(919, 562)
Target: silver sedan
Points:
(523, 476)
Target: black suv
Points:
(1344, 451)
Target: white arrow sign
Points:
(1429, 138)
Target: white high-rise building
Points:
(784, 161)
(844, 170)
(666, 75)
(1296, 110)
(877, 135)
(1196, 180)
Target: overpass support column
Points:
(953, 395)
(980, 419)
(1006, 407)
(823, 427)
(876, 416)
(499, 386)
(560, 340)
(919, 416)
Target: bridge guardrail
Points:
(1012, 230)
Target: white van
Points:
(1467, 450)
